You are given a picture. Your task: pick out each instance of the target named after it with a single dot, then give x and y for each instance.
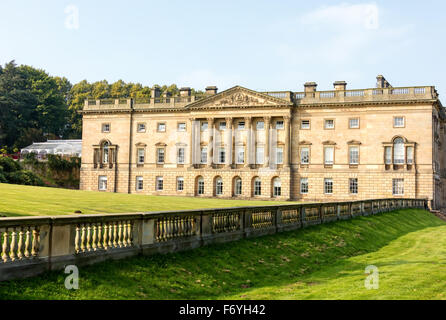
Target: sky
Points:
(261, 45)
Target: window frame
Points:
(263, 155)
(302, 183)
(178, 127)
(138, 155)
(300, 155)
(205, 148)
(180, 181)
(397, 188)
(350, 155)
(158, 124)
(333, 155)
(221, 151)
(101, 179)
(331, 185)
(282, 127)
(352, 187)
(138, 180)
(179, 160)
(398, 117)
(106, 124)
(325, 124)
(258, 123)
(257, 187)
(359, 123)
(158, 186)
(237, 154)
(203, 123)
(309, 124)
(158, 153)
(138, 129)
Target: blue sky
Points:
(263, 45)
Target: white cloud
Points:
(345, 15)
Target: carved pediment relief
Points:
(305, 143)
(354, 142)
(330, 143)
(239, 97)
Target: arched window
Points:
(105, 152)
(399, 156)
(277, 187)
(200, 185)
(218, 186)
(237, 186)
(257, 186)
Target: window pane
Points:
(279, 124)
(279, 155)
(398, 186)
(329, 124)
(304, 185)
(240, 155)
(204, 155)
(328, 186)
(259, 155)
(305, 124)
(354, 155)
(398, 151)
(139, 183)
(388, 155)
(305, 155)
(409, 155)
(204, 126)
(140, 155)
(260, 125)
(354, 123)
(353, 185)
(181, 127)
(398, 122)
(241, 125)
(180, 183)
(328, 154)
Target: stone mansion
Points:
(382, 142)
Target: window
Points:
(221, 155)
(305, 155)
(222, 125)
(161, 127)
(388, 155)
(304, 185)
(277, 187)
(353, 185)
(260, 125)
(204, 155)
(328, 186)
(305, 124)
(139, 183)
(160, 155)
(398, 151)
(200, 186)
(204, 126)
(219, 186)
(279, 124)
(240, 152)
(329, 124)
(257, 186)
(398, 187)
(141, 127)
(259, 155)
(105, 152)
(159, 183)
(102, 183)
(141, 154)
(180, 183)
(354, 155)
(106, 127)
(353, 123)
(241, 125)
(328, 156)
(279, 155)
(181, 126)
(398, 122)
(181, 155)
(409, 155)
(238, 187)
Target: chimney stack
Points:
(211, 90)
(155, 92)
(185, 92)
(381, 82)
(310, 87)
(340, 85)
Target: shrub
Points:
(3, 178)
(9, 165)
(25, 177)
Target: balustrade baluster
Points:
(76, 240)
(119, 223)
(94, 238)
(27, 243)
(83, 231)
(110, 234)
(100, 246)
(115, 235)
(88, 237)
(124, 233)
(36, 242)
(5, 247)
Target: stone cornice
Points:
(364, 103)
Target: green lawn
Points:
(17, 200)
(320, 262)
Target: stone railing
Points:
(32, 245)
(365, 95)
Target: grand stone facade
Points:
(313, 145)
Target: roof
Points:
(56, 147)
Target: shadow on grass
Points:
(228, 269)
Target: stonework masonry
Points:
(337, 145)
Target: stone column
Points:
(249, 157)
(211, 132)
(228, 141)
(287, 151)
(267, 123)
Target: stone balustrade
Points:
(32, 245)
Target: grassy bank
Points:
(321, 262)
(18, 200)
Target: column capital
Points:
(248, 122)
(229, 121)
(267, 119)
(210, 120)
(287, 118)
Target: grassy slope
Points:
(325, 261)
(17, 200)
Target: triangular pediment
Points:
(238, 97)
